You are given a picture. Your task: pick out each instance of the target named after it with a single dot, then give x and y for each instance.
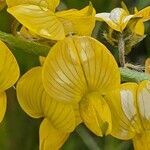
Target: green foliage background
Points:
(20, 132)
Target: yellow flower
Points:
(119, 18)
(131, 114)
(40, 17)
(9, 73)
(80, 70)
(59, 119)
(68, 89)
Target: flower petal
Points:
(63, 76)
(37, 103)
(3, 104)
(50, 137)
(95, 114)
(9, 69)
(106, 18)
(97, 62)
(30, 92)
(62, 116)
(40, 21)
(144, 14)
(137, 26)
(117, 19)
(77, 65)
(51, 4)
(142, 141)
(143, 102)
(78, 21)
(122, 104)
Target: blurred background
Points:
(20, 132)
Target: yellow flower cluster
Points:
(79, 80)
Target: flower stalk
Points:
(121, 48)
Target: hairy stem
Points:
(121, 48)
(132, 75)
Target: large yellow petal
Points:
(50, 4)
(144, 14)
(3, 104)
(142, 141)
(50, 137)
(81, 22)
(125, 119)
(40, 21)
(95, 114)
(63, 77)
(97, 62)
(9, 70)
(78, 65)
(37, 103)
(143, 102)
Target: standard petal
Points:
(78, 65)
(37, 103)
(63, 77)
(142, 141)
(106, 18)
(122, 103)
(95, 114)
(9, 69)
(3, 104)
(143, 102)
(81, 22)
(117, 19)
(97, 62)
(50, 137)
(51, 4)
(40, 21)
(144, 14)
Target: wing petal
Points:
(37, 103)
(9, 69)
(40, 21)
(50, 137)
(81, 22)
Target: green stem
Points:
(25, 45)
(132, 75)
(87, 138)
(121, 48)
